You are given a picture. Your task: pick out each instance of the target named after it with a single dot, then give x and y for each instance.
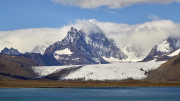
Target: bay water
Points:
(91, 94)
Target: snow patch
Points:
(174, 53)
(65, 51)
(164, 47)
(111, 59)
(76, 59)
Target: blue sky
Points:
(25, 24)
(24, 14)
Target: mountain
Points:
(133, 52)
(80, 48)
(163, 49)
(10, 51)
(40, 48)
(43, 60)
(103, 46)
(16, 67)
(168, 71)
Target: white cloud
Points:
(26, 39)
(144, 35)
(153, 17)
(110, 3)
(110, 12)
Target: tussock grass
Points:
(62, 84)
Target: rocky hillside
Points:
(169, 71)
(15, 67)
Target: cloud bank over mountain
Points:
(89, 4)
(25, 39)
(145, 35)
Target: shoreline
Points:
(83, 84)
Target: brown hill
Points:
(16, 67)
(169, 71)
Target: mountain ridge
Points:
(94, 46)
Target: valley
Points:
(91, 58)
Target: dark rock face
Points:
(15, 67)
(46, 59)
(87, 49)
(62, 73)
(152, 54)
(169, 45)
(10, 51)
(167, 72)
(163, 58)
(73, 41)
(103, 46)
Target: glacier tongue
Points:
(119, 71)
(46, 70)
(116, 71)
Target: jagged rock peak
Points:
(92, 47)
(10, 51)
(73, 30)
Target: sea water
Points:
(92, 94)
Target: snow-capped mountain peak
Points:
(165, 47)
(41, 48)
(93, 46)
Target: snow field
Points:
(174, 53)
(164, 46)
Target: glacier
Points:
(114, 71)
